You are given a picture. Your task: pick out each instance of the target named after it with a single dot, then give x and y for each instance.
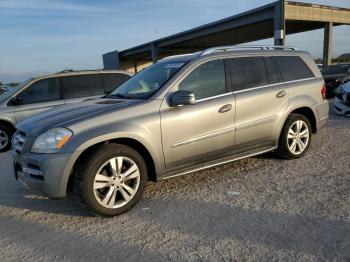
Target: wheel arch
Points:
(302, 110)
(9, 123)
(131, 142)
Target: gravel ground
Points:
(285, 210)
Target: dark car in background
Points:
(334, 75)
(43, 93)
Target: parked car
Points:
(333, 76)
(182, 114)
(342, 99)
(3, 90)
(47, 92)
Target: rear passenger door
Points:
(78, 88)
(113, 80)
(261, 99)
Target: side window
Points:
(247, 72)
(272, 72)
(81, 86)
(42, 91)
(112, 81)
(206, 80)
(292, 68)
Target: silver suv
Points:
(182, 114)
(47, 92)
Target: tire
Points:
(6, 133)
(287, 138)
(95, 179)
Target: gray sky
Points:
(41, 36)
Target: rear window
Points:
(335, 69)
(292, 68)
(82, 86)
(112, 81)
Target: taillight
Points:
(323, 91)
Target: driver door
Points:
(199, 132)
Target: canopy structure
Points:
(275, 20)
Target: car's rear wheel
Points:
(111, 180)
(295, 138)
(6, 134)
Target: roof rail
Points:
(245, 47)
(66, 71)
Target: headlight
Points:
(51, 141)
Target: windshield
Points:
(335, 69)
(144, 84)
(11, 90)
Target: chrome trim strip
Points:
(30, 171)
(220, 163)
(270, 85)
(255, 123)
(213, 97)
(203, 137)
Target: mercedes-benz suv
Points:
(184, 113)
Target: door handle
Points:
(281, 94)
(225, 108)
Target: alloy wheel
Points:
(4, 139)
(116, 182)
(298, 137)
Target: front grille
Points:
(340, 97)
(19, 139)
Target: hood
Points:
(70, 114)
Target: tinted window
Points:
(271, 71)
(41, 91)
(292, 68)
(112, 81)
(81, 86)
(247, 72)
(206, 80)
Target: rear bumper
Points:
(322, 111)
(42, 172)
(340, 108)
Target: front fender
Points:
(81, 142)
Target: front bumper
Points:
(340, 108)
(45, 173)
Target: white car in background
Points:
(342, 100)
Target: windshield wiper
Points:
(119, 96)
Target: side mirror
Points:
(182, 97)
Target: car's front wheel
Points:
(295, 138)
(111, 180)
(6, 134)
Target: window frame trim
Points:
(276, 84)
